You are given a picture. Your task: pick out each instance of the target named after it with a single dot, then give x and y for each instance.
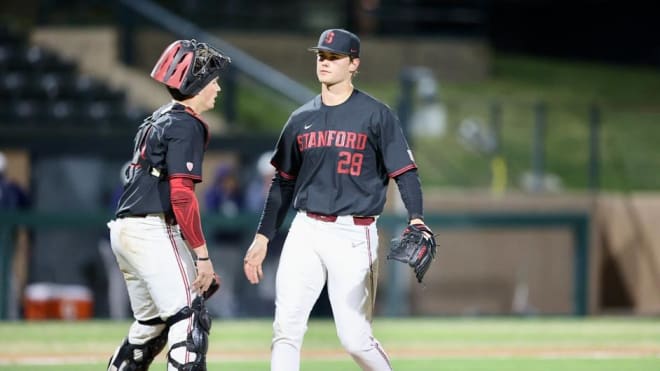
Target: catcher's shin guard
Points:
(198, 339)
(131, 357)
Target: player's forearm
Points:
(411, 193)
(186, 210)
(202, 252)
(277, 204)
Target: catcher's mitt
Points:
(416, 247)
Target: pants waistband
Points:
(169, 220)
(357, 220)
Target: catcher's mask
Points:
(188, 66)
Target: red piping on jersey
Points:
(207, 133)
(286, 176)
(402, 170)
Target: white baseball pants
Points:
(159, 270)
(345, 255)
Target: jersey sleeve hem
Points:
(394, 174)
(183, 175)
(287, 176)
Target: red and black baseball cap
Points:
(339, 41)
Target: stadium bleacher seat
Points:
(12, 84)
(64, 112)
(40, 88)
(29, 112)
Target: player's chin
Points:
(211, 104)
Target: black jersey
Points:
(170, 143)
(343, 156)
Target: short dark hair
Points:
(177, 95)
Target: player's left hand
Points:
(254, 257)
(416, 247)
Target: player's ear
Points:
(355, 63)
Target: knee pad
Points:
(132, 357)
(198, 338)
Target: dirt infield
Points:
(399, 353)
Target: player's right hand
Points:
(205, 276)
(254, 257)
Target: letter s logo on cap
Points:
(329, 37)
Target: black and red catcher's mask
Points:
(188, 66)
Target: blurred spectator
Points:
(257, 190)
(12, 196)
(225, 197)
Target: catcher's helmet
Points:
(188, 66)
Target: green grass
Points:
(492, 344)
(529, 79)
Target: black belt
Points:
(169, 220)
(357, 220)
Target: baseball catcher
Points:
(416, 247)
(156, 234)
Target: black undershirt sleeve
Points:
(277, 205)
(411, 193)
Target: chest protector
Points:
(149, 135)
